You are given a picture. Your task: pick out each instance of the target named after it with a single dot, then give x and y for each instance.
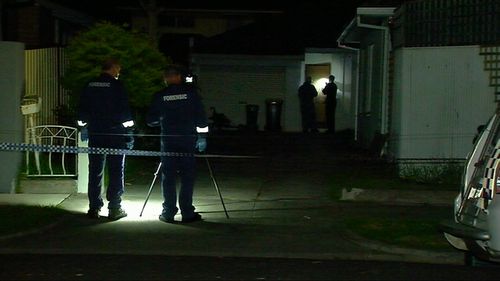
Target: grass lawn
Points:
(384, 176)
(409, 228)
(18, 218)
(140, 170)
(413, 227)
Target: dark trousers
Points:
(115, 189)
(308, 113)
(330, 116)
(183, 167)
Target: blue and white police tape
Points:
(5, 146)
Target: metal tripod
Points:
(151, 188)
(212, 176)
(216, 186)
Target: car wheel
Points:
(473, 261)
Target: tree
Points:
(142, 62)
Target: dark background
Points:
(298, 25)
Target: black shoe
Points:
(196, 217)
(93, 213)
(166, 219)
(116, 214)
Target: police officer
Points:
(179, 111)
(104, 111)
(330, 91)
(307, 93)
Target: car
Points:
(475, 227)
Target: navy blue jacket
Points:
(307, 92)
(331, 93)
(178, 109)
(104, 107)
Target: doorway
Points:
(319, 74)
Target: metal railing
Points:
(52, 164)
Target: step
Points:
(47, 186)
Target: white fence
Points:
(52, 164)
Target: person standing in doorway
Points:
(330, 91)
(307, 93)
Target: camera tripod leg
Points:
(216, 186)
(151, 188)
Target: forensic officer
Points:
(104, 112)
(179, 111)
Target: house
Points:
(41, 23)
(245, 57)
(231, 82)
(269, 60)
(178, 30)
(428, 76)
(202, 22)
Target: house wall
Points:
(371, 75)
(441, 96)
(229, 83)
(342, 63)
(11, 123)
(292, 120)
(206, 26)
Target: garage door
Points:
(230, 88)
